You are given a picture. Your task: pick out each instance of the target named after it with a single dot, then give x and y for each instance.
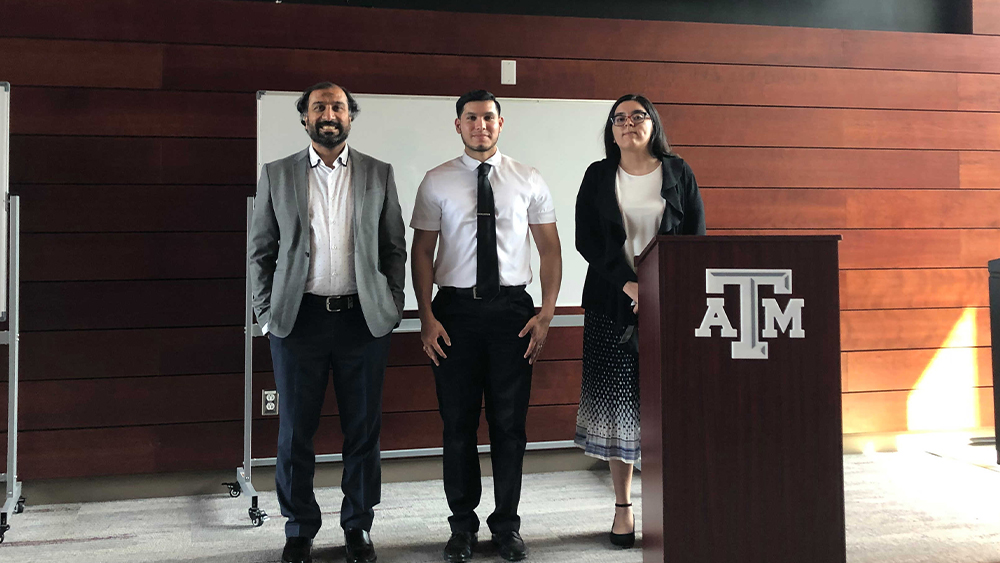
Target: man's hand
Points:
(538, 326)
(430, 332)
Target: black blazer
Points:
(600, 231)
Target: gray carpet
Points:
(901, 507)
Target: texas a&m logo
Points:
(749, 346)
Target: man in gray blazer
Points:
(327, 258)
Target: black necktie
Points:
(487, 265)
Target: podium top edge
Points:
(994, 265)
(5, 86)
(689, 239)
(748, 238)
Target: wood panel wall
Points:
(986, 17)
(133, 149)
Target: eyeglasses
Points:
(636, 118)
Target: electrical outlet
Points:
(269, 403)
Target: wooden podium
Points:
(742, 443)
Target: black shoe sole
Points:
(623, 540)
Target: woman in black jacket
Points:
(639, 191)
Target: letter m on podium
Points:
(749, 346)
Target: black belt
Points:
(472, 293)
(332, 304)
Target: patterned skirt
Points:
(607, 424)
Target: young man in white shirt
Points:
(481, 331)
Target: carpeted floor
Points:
(901, 507)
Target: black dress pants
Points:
(322, 341)
(486, 359)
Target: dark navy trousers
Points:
(322, 342)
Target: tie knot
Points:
(484, 169)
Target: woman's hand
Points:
(632, 290)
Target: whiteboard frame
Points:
(559, 137)
(5, 192)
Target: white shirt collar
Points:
(315, 160)
(472, 163)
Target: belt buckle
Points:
(475, 292)
(338, 309)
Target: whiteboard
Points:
(4, 190)
(416, 133)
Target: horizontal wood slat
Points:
(736, 167)
(147, 304)
(422, 430)
(901, 411)
(269, 25)
(224, 161)
(913, 289)
(829, 128)
(228, 69)
(850, 209)
(114, 160)
(986, 17)
(893, 370)
(101, 354)
(132, 256)
(562, 343)
(219, 445)
(903, 248)
(979, 169)
(914, 328)
(33, 62)
(95, 208)
(140, 401)
(132, 113)
(841, 168)
(412, 388)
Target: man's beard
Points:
(480, 148)
(329, 140)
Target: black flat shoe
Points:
(297, 550)
(623, 540)
(459, 547)
(510, 546)
(358, 545)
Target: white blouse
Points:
(642, 209)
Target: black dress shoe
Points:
(510, 546)
(297, 550)
(459, 547)
(623, 540)
(359, 546)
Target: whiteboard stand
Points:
(244, 484)
(14, 502)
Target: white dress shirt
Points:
(331, 226)
(642, 207)
(446, 202)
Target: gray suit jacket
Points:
(279, 242)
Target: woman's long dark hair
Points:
(658, 146)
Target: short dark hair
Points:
(302, 104)
(475, 96)
(658, 145)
